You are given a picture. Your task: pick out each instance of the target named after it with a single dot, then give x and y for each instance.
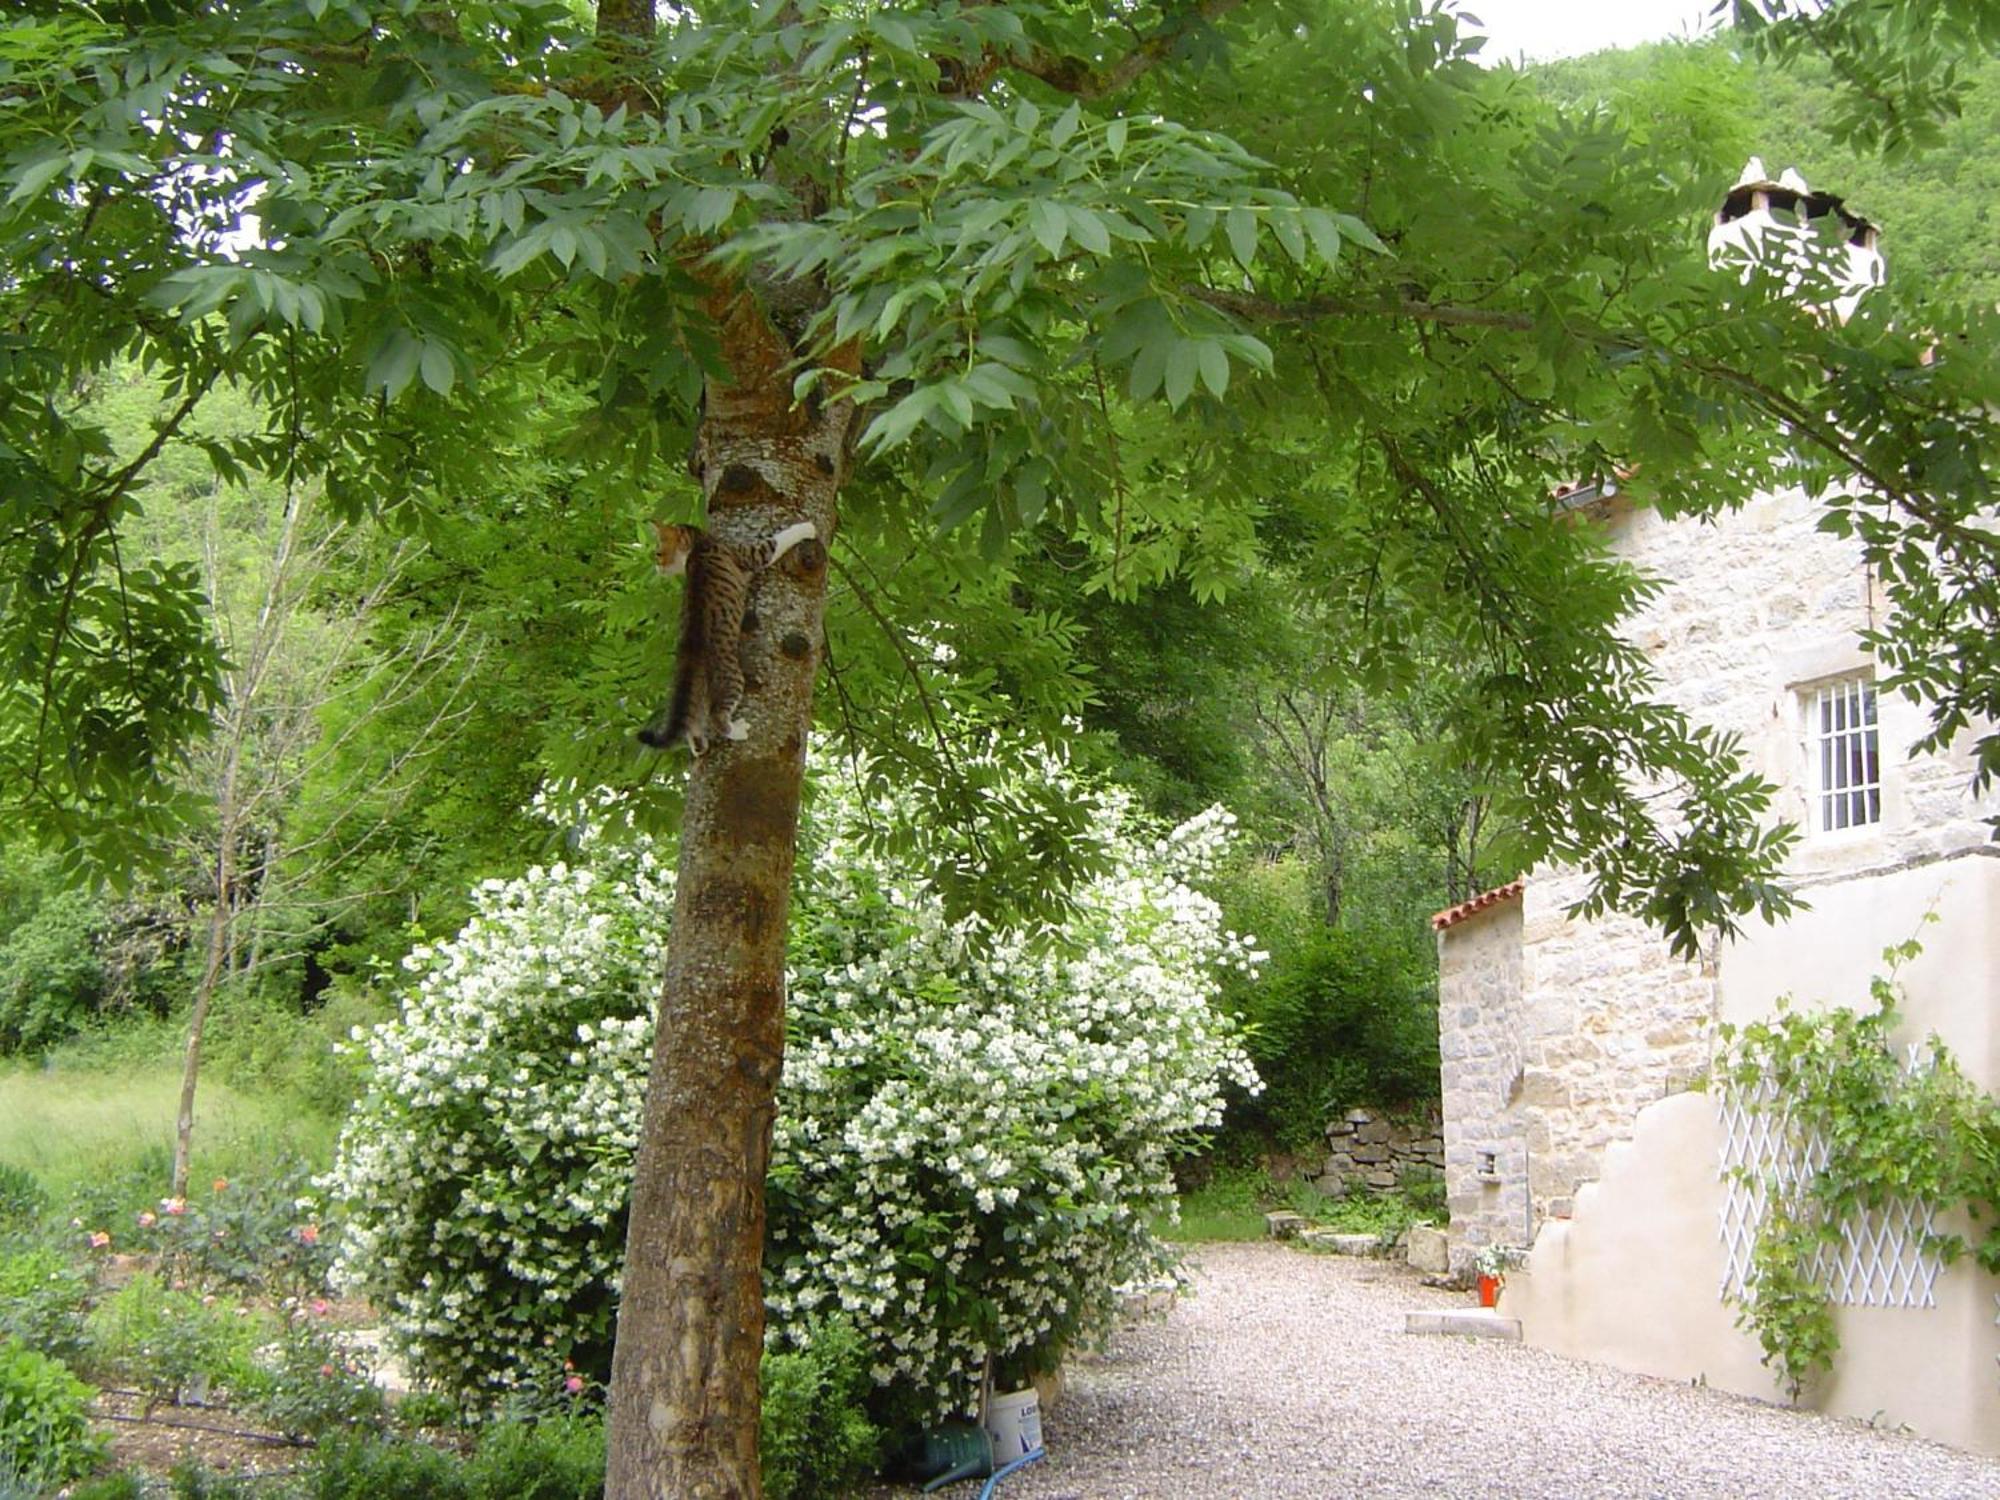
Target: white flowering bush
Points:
(975, 1129)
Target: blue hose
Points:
(1004, 1470)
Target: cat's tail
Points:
(670, 726)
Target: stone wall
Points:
(1373, 1151)
(1479, 1043)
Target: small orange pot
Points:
(1489, 1291)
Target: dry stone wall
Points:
(1372, 1151)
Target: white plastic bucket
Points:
(1014, 1422)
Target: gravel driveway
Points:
(1287, 1376)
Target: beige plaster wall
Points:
(1633, 1278)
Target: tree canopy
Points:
(1167, 294)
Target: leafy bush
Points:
(42, 1295)
(312, 1385)
(1346, 1018)
(124, 1485)
(975, 1131)
(45, 1435)
(816, 1437)
(349, 1466)
(51, 980)
(22, 1196)
(246, 1233)
(554, 1458)
(170, 1342)
(191, 1479)
(557, 1458)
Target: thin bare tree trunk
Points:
(684, 1395)
(213, 960)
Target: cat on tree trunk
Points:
(684, 1395)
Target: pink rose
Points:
(174, 1206)
(99, 1240)
(574, 1385)
(320, 1307)
(147, 1219)
(309, 1234)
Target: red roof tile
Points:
(1451, 916)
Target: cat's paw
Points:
(739, 729)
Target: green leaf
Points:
(395, 363)
(894, 31)
(1214, 368)
(1241, 226)
(1182, 365)
(1114, 138)
(1353, 229)
(1088, 230)
(1050, 225)
(1065, 126)
(1325, 235)
(1285, 226)
(35, 176)
(436, 368)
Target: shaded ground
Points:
(1288, 1374)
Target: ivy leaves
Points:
(1891, 1134)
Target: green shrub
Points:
(22, 1196)
(246, 1233)
(45, 1435)
(556, 1458)
(191, 1479)
(51, 980)
(816, 1439)
(124, 1485)
(170, 1342)
(1424, 1188)
(42, 1296)
(1346, 1018)
(313, 1386)
(350, 1466)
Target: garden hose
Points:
(1004, 1470)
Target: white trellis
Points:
(1881, 1262)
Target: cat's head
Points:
(676, 542)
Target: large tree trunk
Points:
(684, 1395)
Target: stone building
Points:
(1573, 1050)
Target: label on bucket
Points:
(1014, 1422)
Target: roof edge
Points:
(1451, 916)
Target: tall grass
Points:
(84, 1126)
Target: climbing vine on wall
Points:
(1922, 1133)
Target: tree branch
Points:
(1317, 309)
(1084, 80)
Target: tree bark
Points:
(684, 1409)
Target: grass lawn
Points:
(79, 1126)
(1231, 1206)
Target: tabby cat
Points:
(708, 669)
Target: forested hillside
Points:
(1938, 209)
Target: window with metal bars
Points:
(1845, 754)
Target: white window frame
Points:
(1843, 753)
